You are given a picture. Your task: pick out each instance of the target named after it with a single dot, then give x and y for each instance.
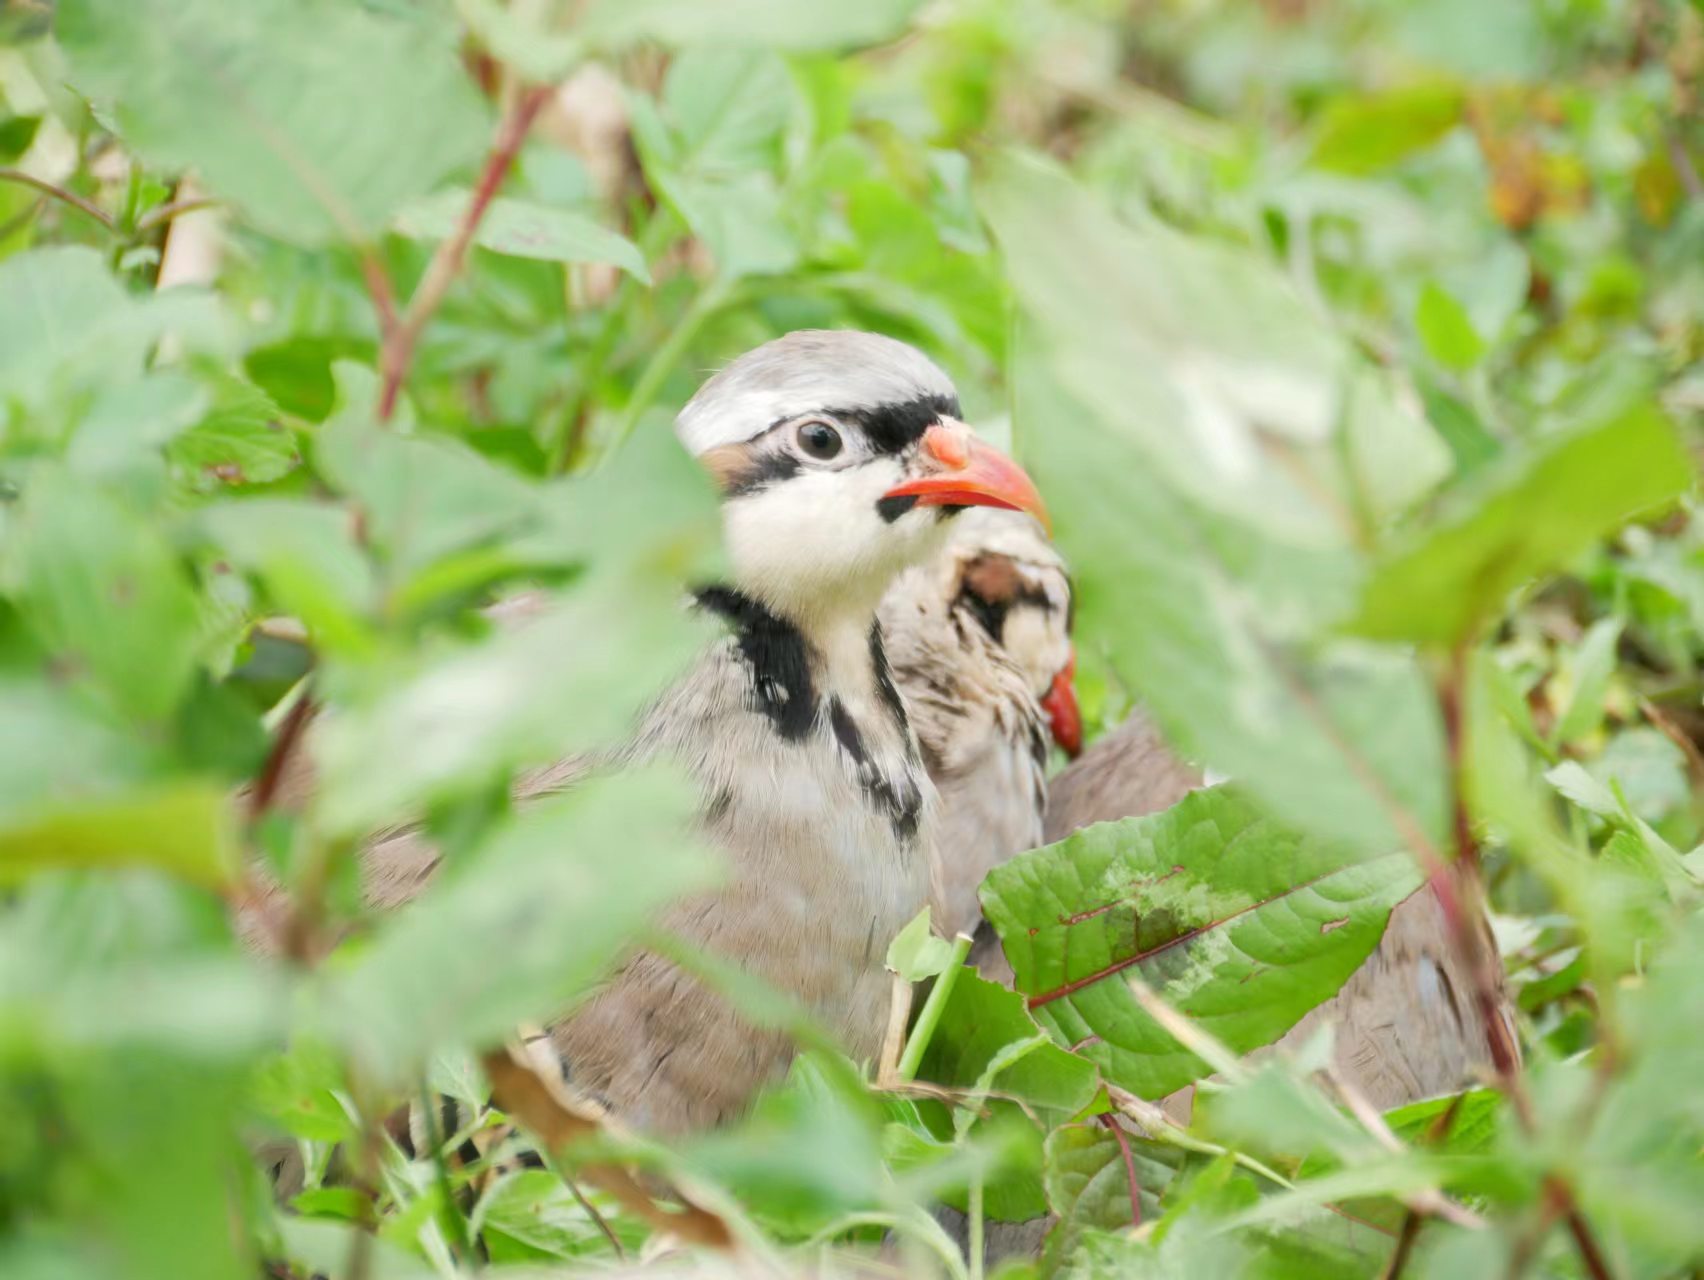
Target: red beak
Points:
(970, 474)
(1064, 717)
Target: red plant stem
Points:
(1404, 1246)
(400, 338)
(272, 772)
(1464, 910)
(1129, 1169)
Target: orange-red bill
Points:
(973, 474)
(1064, 716)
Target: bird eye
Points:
(819, 440)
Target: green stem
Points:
(663, 360)
(653, 241)
(973, 1245)
(923, 1030)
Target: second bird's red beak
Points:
(968, 473)
(1064, 717)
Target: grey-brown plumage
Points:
(977, 636)
(840, 460)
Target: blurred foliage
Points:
(1359, 347)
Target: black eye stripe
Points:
(893, 428)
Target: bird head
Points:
(1005, 573)
(840, 456)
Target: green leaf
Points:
(1216, 628)
(1236, 921)
(240, 440)
(916, 953)
(568, 680)
(1207, 361)
(564, 885)
(776, 24)
(711, 147)
(184, 829)
(532, 1216)
(54, 749)
(1444, 327)
(306, 554)
(972, 1049)
(524, 229)
(1593, 665)
(220, 88)
(1521, 517)
(1373, 132)
(103, 593)
(1088, 1184)
(65, 321)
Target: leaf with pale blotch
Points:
(1236, 921)
(1521, 517)
(524, 229)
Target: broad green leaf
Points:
(568, 680)
(711, 146)
(1236, 921)
(55, 749)
(64, 321)
(524, 229)
(776, 24)
(1520, 517)
(809, 1152)
(1214, 627)
(1594, 664)
(981, 1026)
(306, 554)
(104, 594)
(221, 88)
(1209, 364)
(240, 440)
(532, 1216)
(1088, 1183)
(565, 885)
(1365, 134)
(121, 434)
(184, 829)
(1444, 327)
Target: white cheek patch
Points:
(818, 534)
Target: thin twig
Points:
(446, 262)
(592, 1212)
(1404, 1246)
(174, 209)
(76, 201)
(1590, 1253)
(1465, 915)
(278, 759)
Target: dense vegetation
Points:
(1356, 346)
